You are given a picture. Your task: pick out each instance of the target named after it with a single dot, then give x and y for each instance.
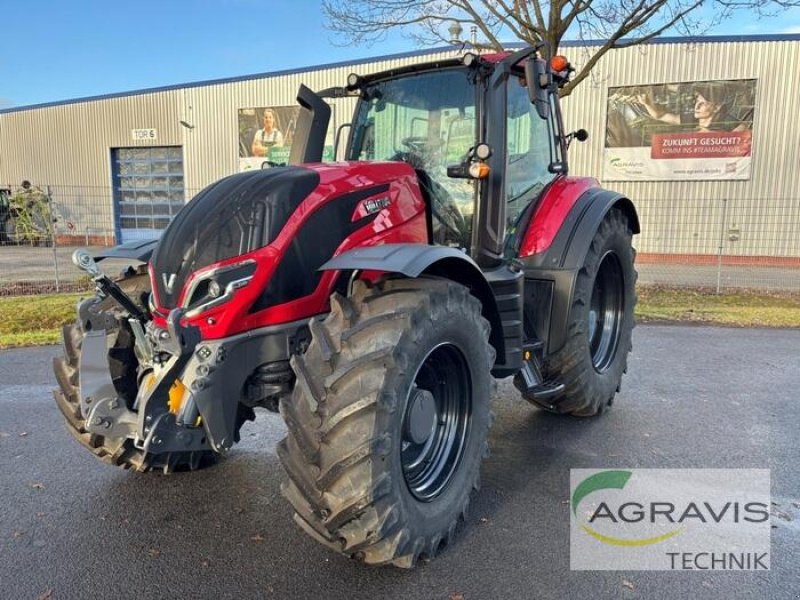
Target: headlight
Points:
(217, 286)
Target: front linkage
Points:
(151, 422)
(119, 380)
(150, 398)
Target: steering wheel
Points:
(416, 143)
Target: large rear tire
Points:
(123, 367)
(389, 419)
(594, 358)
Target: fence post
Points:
(54, 243)
(721, 242)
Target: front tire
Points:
(594, 357)
(389, 419)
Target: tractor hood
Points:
(255, 208)
(245, 252)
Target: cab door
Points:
(532, 155)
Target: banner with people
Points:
(680, 131)
(266, 134)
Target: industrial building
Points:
(119, 166)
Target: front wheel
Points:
(594, 358)
(389, 419)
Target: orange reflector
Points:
(479, 170)
(559, 63)
(176, 393)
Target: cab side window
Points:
(529, 143)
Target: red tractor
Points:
(370, 301)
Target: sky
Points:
(54, 50)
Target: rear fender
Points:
(556, 267)
(499, 290)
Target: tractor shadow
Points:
(231, 524)
(530, 444)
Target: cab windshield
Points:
(427, 120)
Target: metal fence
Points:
(720, 243)
(717, 244)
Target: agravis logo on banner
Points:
(669, 519)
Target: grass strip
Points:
(37, 320)
(739, 308)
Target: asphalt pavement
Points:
(72, 527)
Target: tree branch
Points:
(617, 23)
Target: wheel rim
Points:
(606, 312)
(438, 412)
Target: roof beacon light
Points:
(559, 63)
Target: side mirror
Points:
(581, 135)
(539, 81)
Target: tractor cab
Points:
(484, 143)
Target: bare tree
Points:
(613, 23)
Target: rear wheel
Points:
(594, 358)
(389, 418)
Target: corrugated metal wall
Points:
(69, 145)
(690, 216)
(776, 127)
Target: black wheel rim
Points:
(436, 419)
(606, 312)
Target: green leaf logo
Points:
(599, 481)
(615, 480)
